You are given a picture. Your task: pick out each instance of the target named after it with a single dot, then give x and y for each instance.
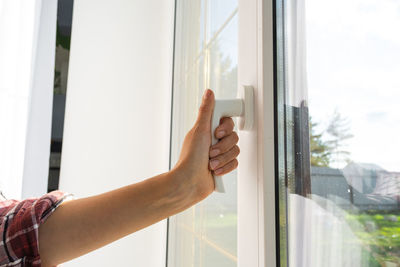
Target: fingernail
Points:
(214, 164)
(219, 171)
(214, 152)
(221, 134)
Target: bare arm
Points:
(80, 226)
(83, 225)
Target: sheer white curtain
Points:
(21, 33)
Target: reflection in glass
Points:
(338, 122)
(205, 57)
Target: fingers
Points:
(225, 127)
(223, 159)
(224, 145)
(206, 110)
(230, 166)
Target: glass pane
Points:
(204, 235)
(219, 13)
(338, 65)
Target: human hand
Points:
(198, 160)
(139, 205)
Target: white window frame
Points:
(256, 171)
(38, 134)
(256, 178)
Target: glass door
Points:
(206, 56)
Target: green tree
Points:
(321, 152)
(339, 133)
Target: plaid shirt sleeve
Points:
(19, 229)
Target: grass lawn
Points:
(380, 233)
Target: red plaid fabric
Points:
(20, 221)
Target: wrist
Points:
(182, 189)
(186, 186)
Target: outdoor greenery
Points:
(328, 147)
(63, 40)
(377, 230)
(380, 235)
(63, 43)
(338, 131)
(321, 152)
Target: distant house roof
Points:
(364, 186)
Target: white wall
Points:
(118, 111)
(27, 43)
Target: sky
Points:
(353, 65)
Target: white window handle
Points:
(242, 107)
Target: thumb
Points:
(206, 110)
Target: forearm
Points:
(80, 226)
